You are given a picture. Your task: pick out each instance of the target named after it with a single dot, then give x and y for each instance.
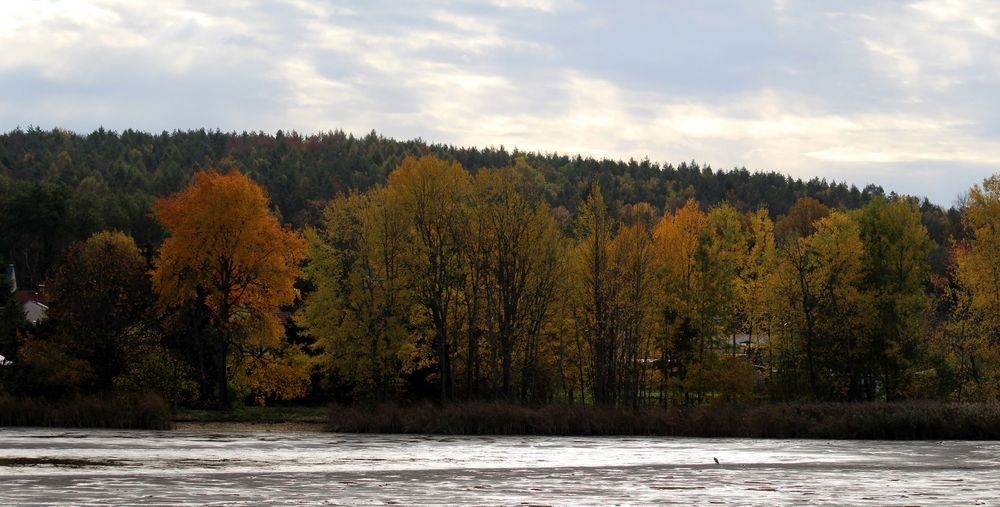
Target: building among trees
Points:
(31, 301)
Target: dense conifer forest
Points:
(72, 185)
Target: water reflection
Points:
(151, 467)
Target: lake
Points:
(59, 466)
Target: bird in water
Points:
(716, 460)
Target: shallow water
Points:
(46, 466)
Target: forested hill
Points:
(59, 186)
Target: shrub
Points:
(914, 420)
(146, 411)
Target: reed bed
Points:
(117, 412)
(912, 420)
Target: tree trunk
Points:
(223, 377)
(444, 362)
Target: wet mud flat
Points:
(44, 466)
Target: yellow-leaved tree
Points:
(434, 196)
(516, 243)
(897, 269)
(358, 313)
(699, 258)
(677, 240)
(835, 271)
(977, 309)
(228, 254)
(793, 340)
(596, 293)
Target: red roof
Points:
(24, 296)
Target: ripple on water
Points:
(109, 467)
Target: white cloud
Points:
(547, 6)
(936, 45)
(978, 16)
(796, 89)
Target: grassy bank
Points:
(891, 421)
(128, 412)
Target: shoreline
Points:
(250, 427)
(910, 420)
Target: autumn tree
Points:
(800, 221)
(633, 252)
(227, 253)
(476, 251)
(433, 195)
(100, 294)
(797, 336)
(358, 312)
(678, 240)
(977, 273)
(756, 276)
(597, 292)
(835, 272)
(726, 249)
(822, 318)
(700, 255)
(897, 269)
(518, 243)
(717, 302)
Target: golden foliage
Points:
(358, 311)
(227, 253)
(274, 374)
(226, 250)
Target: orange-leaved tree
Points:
(228, 254)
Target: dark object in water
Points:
(58, 462)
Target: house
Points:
(31, 301)
(35, 311)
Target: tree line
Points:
(440, 282)
(57, 187)
(476, 284)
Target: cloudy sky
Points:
(902, 94)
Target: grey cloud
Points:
(859, 93)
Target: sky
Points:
(903, 94)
